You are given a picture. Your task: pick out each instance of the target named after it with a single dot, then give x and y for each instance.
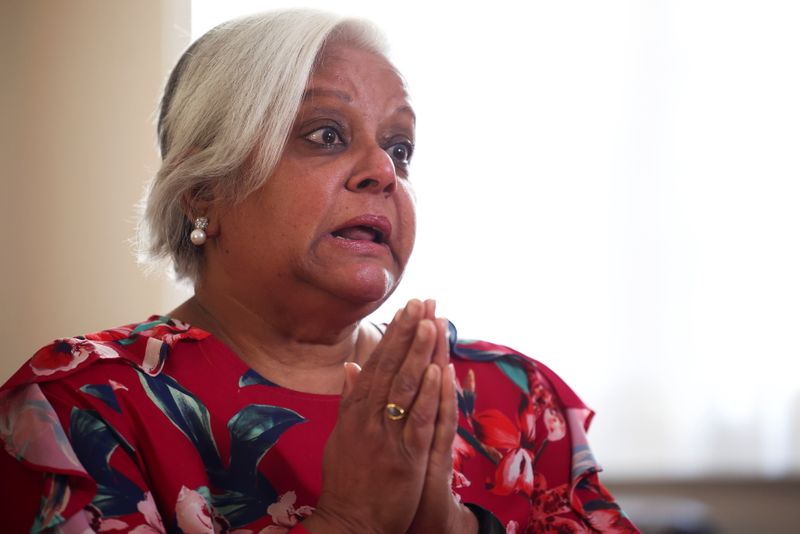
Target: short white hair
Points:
(226, 113)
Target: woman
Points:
(284, 196)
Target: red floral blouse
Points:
(159, 427)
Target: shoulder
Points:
(512, 368)
(63, 414)
(521, 431)
(142, 345)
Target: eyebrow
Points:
(316, 91)
(407, 109)
(312, 92)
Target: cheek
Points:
(297, 209)
(408, 217)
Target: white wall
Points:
(612, 187)
(79, 87)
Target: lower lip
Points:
(359, 246)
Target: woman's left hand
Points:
(440, 510)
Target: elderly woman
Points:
(265, 403)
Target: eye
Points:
(401, 153)
(327, 136)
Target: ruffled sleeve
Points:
(521, 450)
(68, 457)
(41, 470)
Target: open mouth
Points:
(361, 233)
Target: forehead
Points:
(357, 74)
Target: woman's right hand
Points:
(374, 467)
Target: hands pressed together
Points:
(393, 475)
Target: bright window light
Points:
(614, 188)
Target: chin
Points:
(368, 287)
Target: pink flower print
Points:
(98, 523)
(148, 509)
(66, 354)
(109, 525)
(284, 514)
(555, 424)
(193, 513)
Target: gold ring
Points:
(395, 412)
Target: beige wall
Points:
(79, 85)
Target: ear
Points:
(199, 204)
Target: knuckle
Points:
(387, 362)
(405, 384)
(421, 417)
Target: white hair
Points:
(226, 113)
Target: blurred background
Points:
(610, 187)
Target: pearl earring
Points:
(198, 235)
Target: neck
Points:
(301, 351)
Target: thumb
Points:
(351, 371)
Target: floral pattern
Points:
(515, 447)
(285, 515)
(67, 354)
(158, 427)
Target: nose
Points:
(374, 173)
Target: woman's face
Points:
(337, 215)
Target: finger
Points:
(430, 309)
(419, 429)
(351, 371)
(396, 339)
(408, 379)
(394, 320)
(446, 423)
(441, 352)
(392, 352)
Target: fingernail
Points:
(430, 305)
(452, 370)
(411, 307)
